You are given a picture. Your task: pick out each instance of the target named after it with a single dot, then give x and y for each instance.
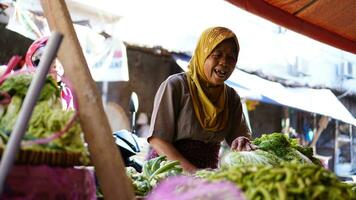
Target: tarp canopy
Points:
(329, 21)
(319, 101)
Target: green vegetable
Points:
(19, 85)
(290, 180)
(286, 148)
(275, 142)
(8, 120)
(241, 158)
(169, 165)
(48, 116)
(153, 171)
(156, 163)
(152, 165)
(293, 154)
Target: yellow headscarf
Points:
(209, 102)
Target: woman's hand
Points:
(188, 167)
(242, 144)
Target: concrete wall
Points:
(12, 43)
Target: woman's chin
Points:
(217, 82)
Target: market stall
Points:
(279, 169)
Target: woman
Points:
(194, 111)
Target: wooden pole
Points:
(104, 154)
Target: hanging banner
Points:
(111, 64)
(27, 22)
(106, 57)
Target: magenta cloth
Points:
(191, 188)
(28, 182)
(199, 153)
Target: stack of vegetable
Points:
(153, 171)
(280, 169)
(273, 149)
(290, 180)
(47, 120)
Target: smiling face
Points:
(220, 64)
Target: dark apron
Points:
(200, 154)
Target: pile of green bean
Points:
(288, 181)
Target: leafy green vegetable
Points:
(154, 170)
(19, 84)
(242, 158)
(47, 118)
(275, 142)
(305, 150)
(286, 148)
(294, 154)
(8, 120)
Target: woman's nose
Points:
(222, 61)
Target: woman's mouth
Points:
(220, 73)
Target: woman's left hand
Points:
(242, 144)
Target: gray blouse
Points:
(173, 116)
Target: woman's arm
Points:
(240, 137)
(165, 148)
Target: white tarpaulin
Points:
(320, 101)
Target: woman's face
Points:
(220, 64)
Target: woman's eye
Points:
(232, 58)
(216, 55)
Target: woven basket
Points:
(52, 158)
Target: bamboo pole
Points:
(105, 155)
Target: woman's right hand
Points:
(188, 167)
(242, 144)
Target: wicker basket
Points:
(52, 158)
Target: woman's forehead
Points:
(227, 43)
